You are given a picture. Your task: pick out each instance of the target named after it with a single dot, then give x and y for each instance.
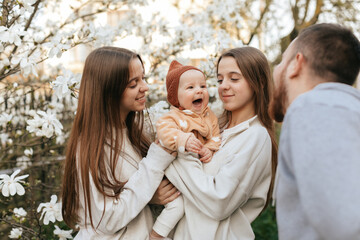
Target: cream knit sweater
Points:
(224, 196)
(128, 217)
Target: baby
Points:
(189, 126)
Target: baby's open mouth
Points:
(198, 102)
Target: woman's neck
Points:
(240, 115)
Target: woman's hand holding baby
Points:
(165, 193)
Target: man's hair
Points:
(332, 51)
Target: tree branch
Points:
(259, 22)
(306, 11)
(5, 13)
(313, 20)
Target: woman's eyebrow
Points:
(132, 80)
(219, 74)
(135, 78)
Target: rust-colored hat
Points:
(172, 81)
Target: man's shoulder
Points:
(333, 95)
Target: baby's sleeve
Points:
(170, 132)
(214, 141)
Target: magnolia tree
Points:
(38, 99)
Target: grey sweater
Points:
(318, 184)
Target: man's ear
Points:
(297, 65)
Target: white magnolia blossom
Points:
(56, 47)
(16, 233)
(12, 34)
(28, 152)
(4, 138)
(10, 185)
(20, 212)
(217, 107)
(27, 4)
(212, 91)
(23, 162)
(50, 211)
(27, 63)
(153, 114)
(63, 83)
(62, 234)
(61, 138)
(4, 61)
(104, 36)
(5, 118)
(44, 124)
(157, 110)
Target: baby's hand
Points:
(193, 144)
(205, 154)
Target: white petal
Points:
(15, 173)
(21, 177)
(12, 188)
(46, 220)
(5, 191)
(41, 205)
(52, 218)
(19, 189)
(53, 199)
(5, 177)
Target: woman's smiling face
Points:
(134, 98)
(234, 90)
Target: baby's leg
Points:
(169, 217)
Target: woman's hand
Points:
(165, 193)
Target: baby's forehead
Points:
(192, 75)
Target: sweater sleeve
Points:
(134, 196)
(170, 133)
(220, 195)
(215, 141)
(324, 148)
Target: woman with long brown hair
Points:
(108, 181)
(224, 196)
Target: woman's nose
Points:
(224, 85)
(144, 87)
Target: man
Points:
(318, 184)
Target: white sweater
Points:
(129, 217)
(223, 197)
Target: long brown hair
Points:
(256, 70)
(98, 123)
